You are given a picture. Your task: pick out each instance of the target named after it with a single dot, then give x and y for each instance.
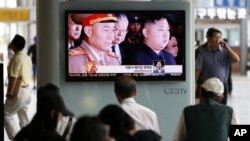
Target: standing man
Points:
(121, 28)
(18, 92)
(209, 120)
(74, 32)
(125, 91)
(156, 36)
(214, 60)
(97, 41)
(32, 53)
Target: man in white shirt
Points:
(125, 90)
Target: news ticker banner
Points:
(134, 69)
(93, 70)
(240, 133)
(168, 69)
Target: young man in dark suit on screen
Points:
(156, 37)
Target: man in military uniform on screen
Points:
(97, 40)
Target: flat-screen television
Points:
(147, 40)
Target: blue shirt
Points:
(213, 64)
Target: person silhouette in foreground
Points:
(209, 120)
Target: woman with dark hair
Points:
(122, 126)
(90, 128)
(43, 126)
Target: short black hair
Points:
(211, 31)
(125, 85)
(49, 99)
(18, 41)
(89, 128)
(117, 118)
(156, 61)
(152, 18)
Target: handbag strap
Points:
(66, 131)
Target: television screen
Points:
(147, 44)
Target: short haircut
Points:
(49, 99)
(117, 118)
(152, 18)
(125, 85)
(18, 41)
(89, 128)
(156, 62)
(211, 31)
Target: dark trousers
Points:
(224, 100)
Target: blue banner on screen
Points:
(231, 3)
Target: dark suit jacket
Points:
(127, 51)
(146, 56)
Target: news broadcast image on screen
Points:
(148, 45)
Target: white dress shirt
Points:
(117, 52)
(144, 117)
(70, 45)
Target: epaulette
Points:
(112, 54)
(76, 51)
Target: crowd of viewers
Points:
(128, 121)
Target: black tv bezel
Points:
(143, 78)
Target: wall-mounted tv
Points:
(147, 43)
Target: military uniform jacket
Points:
(83, 55)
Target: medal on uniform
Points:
(90, 67)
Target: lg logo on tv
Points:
(175, 91)
(239, 132)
